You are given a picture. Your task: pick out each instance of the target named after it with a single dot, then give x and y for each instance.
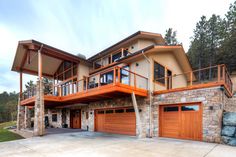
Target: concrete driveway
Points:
(89, 144)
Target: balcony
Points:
(116, 81)
(201, 78)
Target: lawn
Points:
(6, 135)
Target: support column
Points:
(39, 126)
(20, 116)
(138, 119)
(27, 118)
(20, 109)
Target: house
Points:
(139, 86)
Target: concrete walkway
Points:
(89, 144)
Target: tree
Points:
(170, 37)
(47, 85)
(227, 53)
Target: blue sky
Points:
(89, 26)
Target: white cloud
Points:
(90, 26)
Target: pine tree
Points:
(170, 37)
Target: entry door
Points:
(76, 119)
(181, 121)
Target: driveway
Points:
(90, 144)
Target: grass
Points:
(6, 135)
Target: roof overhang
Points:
(138, 35)
(177, 51)
(26, 58)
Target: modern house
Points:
(139, 86)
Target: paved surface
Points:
(89, 144)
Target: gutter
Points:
(150, 95)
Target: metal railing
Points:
(201, 77)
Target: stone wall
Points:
(113, 103)
(229, 128)
(58, 123)
(212, 100)
(230, 104)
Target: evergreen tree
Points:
(170, 37)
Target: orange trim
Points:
(190, 87)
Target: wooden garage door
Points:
(181, 121)
(118, 121)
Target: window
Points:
(125, 75)
(171, 109)
(97, 64)
(190, 108)
(115, 57)
(54, 117)
(129, 110)
(106, 78)
(109, 111)
(159, 73)
(100, 112)
(119, 111)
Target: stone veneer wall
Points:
(230, 104)
(212, 117)
(113, 103)
(59, 123)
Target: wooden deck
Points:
(95, 94)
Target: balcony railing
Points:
(210, 76)
(116, 76)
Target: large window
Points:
(159, 73)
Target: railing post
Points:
(99, 80)
(59, 87)
(218, 73)
(223, 72)
(118, 74)
(86, 84)
(114, 76)
(191, 78)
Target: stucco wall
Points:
(212, 100)
(168, 60)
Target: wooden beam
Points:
(21, 85)
(32, 72)
(40, 64)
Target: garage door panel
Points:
(183, 122)
(119, 123)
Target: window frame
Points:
(165, 75)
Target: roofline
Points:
(123, 40)
(32, 41)
(137, 53)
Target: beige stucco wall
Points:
(140, 67)
(168, 60)
(83, 70)
(139, 44)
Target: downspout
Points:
(150, 96)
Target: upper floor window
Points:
(97, 64)
(116, 56)
(159, 73)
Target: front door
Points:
(76, 119)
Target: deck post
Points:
(137, 115)
(20, 116)
(39, 128)
(27, 118)
(20, 109)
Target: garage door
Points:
(118, 121)
(181, 121)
